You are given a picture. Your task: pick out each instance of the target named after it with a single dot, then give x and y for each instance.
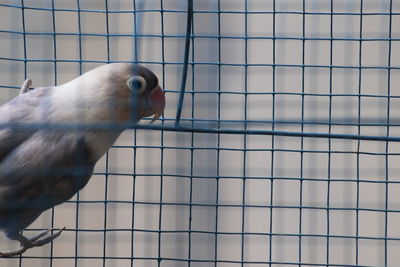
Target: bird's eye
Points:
(137, 84)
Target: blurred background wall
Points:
(168, 199)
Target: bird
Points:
(41, 167)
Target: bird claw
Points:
(33, 242)
(13, 252)
(36, 242)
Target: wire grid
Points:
(238, 183)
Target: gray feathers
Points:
(38, 168)
(22, 109)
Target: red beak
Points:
(157, 102)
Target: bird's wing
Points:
(22, 109)
(45, 170)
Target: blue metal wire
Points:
(55, 83)
(204, 63)
(25, 62)
(108, 126)
(106, 176)
(200, 36)
(328, 195)
(185, 61)
(302, 139)
(80, 62)
(389, 61)
(202, 11)
(357, 230)
(188, 41)
(245, 161)
(271, 192)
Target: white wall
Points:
(190, 174)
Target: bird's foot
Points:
(25, 86)
(32, 242)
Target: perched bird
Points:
(42, 167)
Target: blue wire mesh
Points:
(325, 193)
